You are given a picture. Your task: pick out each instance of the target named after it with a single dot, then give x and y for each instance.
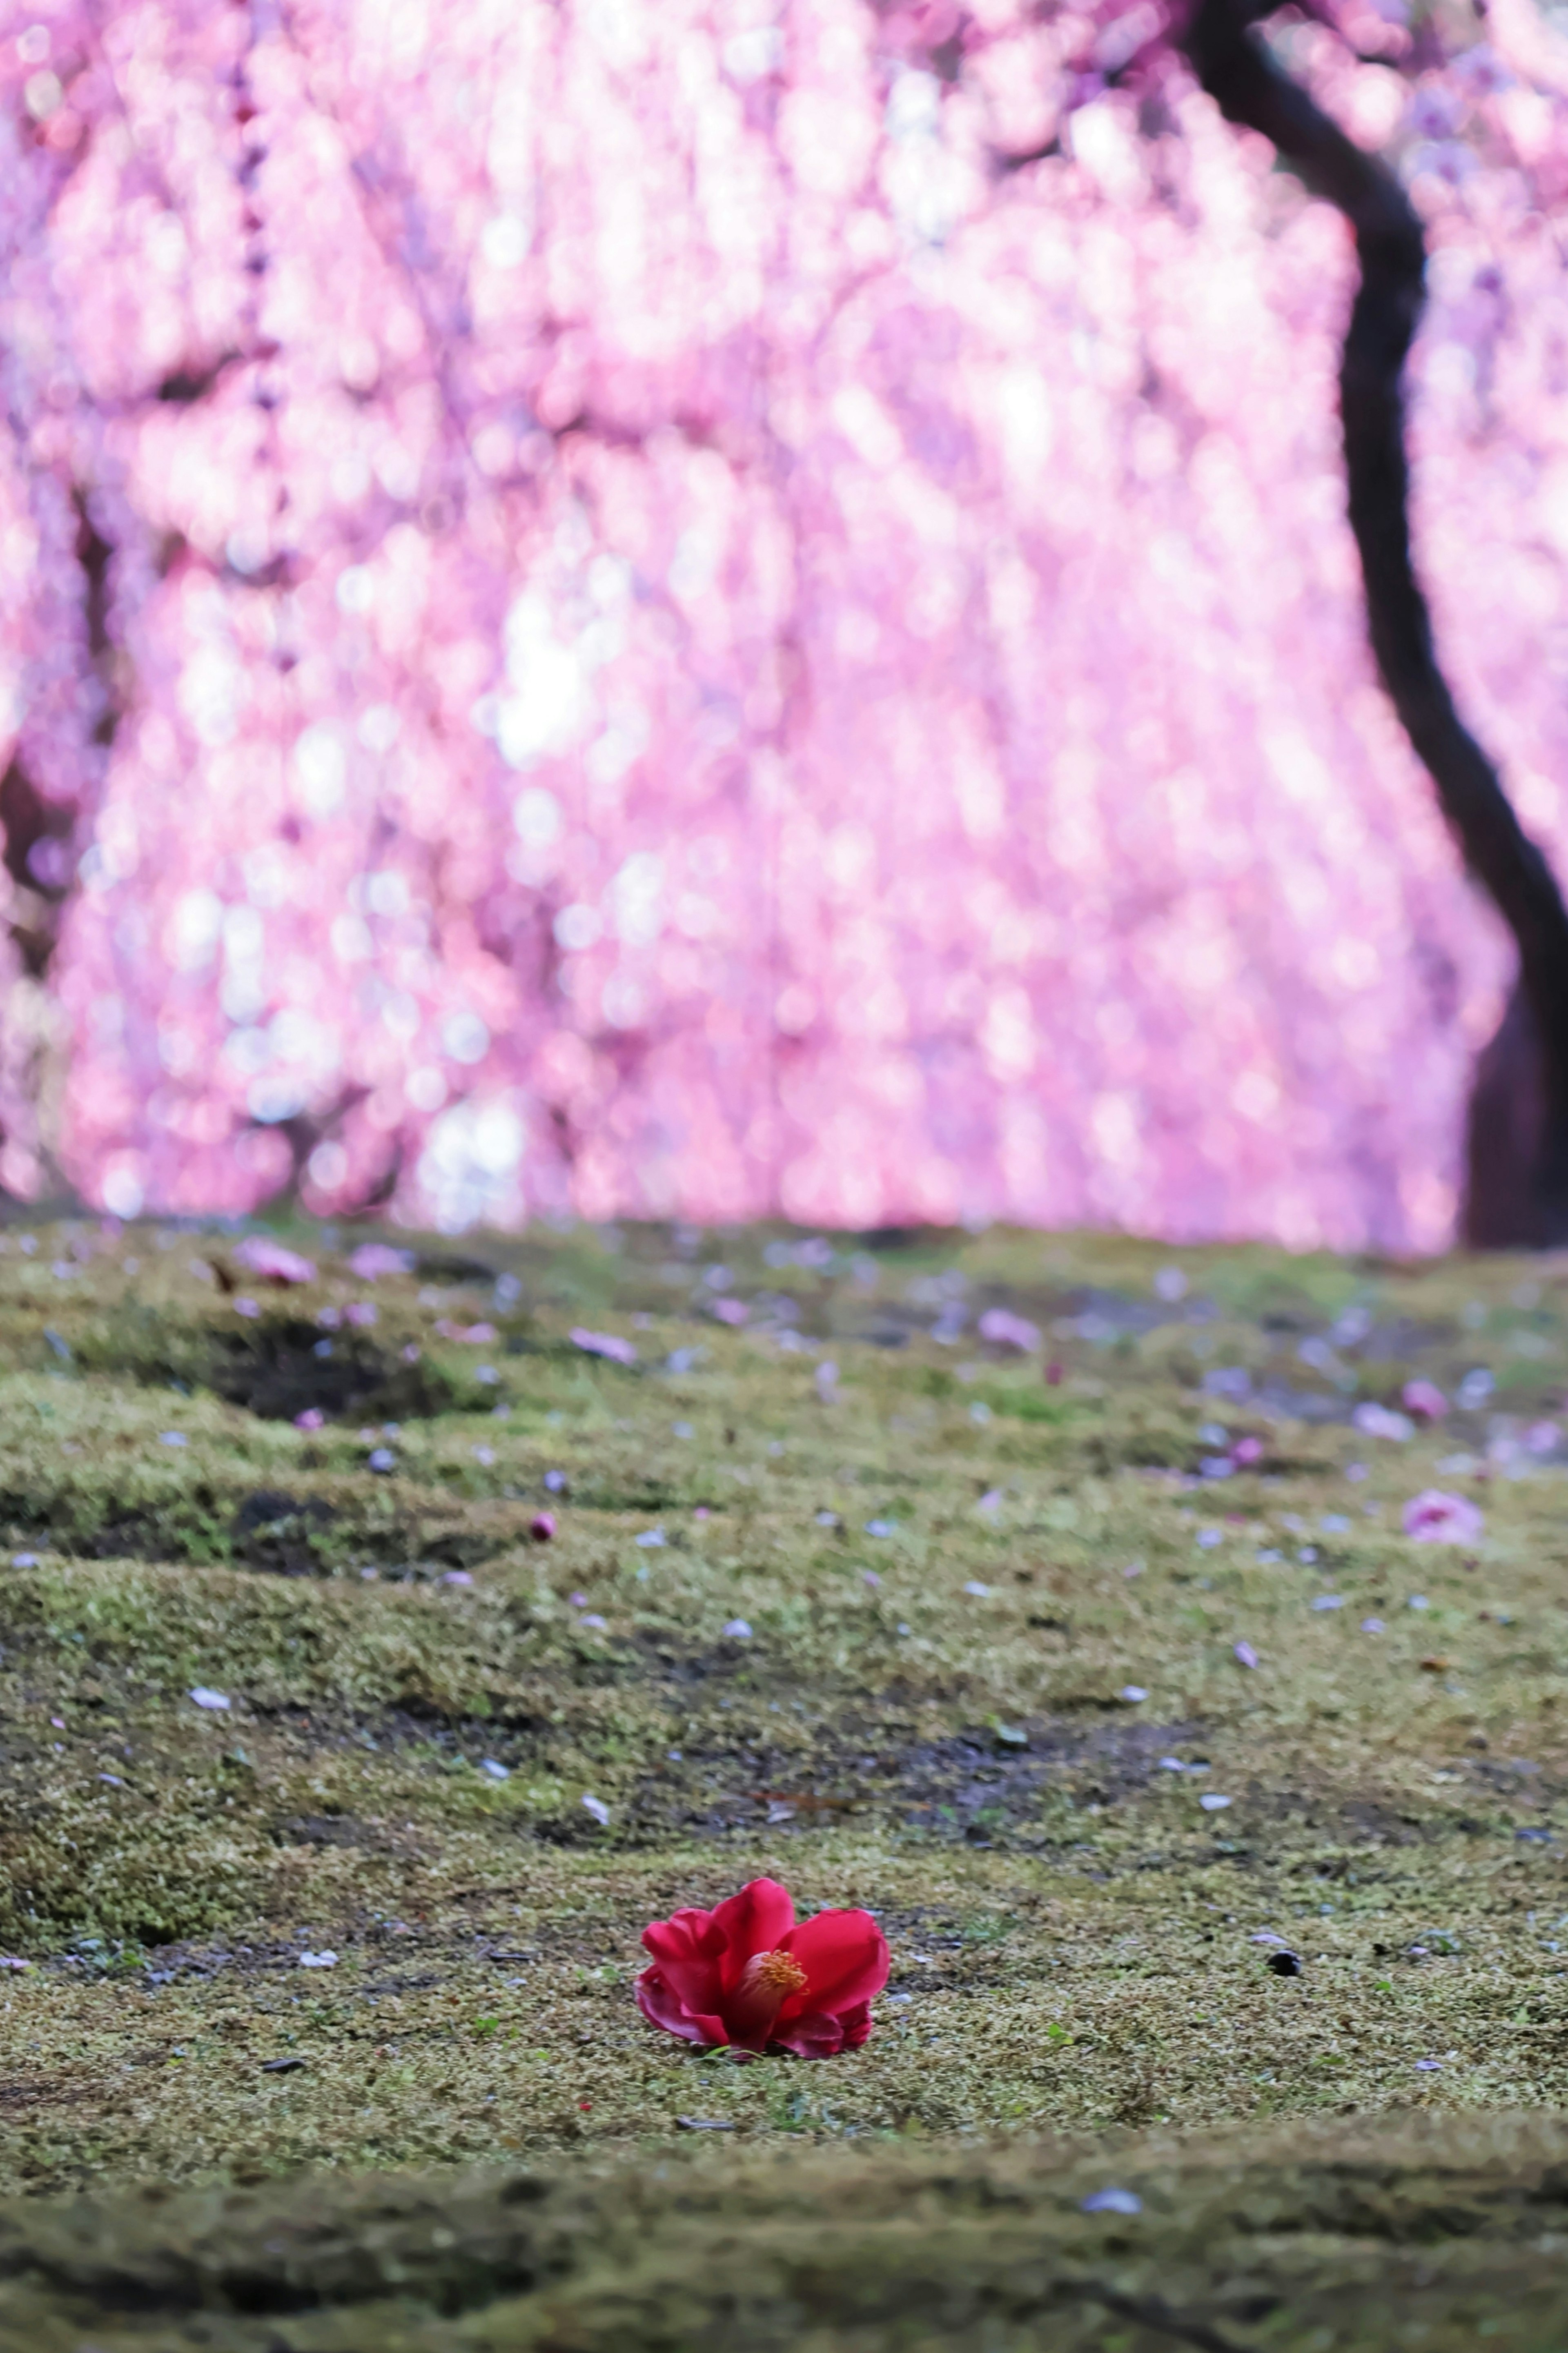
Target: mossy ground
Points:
(1441, 2233)
(953, 1563)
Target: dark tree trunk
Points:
(1502, 1140)
(1526, 1198)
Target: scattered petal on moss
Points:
(604, 1343)
(1112, 2201)
(273, 1261)
(1435, 1517)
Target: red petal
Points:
(757, 1920)
(814, 2035)
(683, 1934)
(661, 2007)
(689, 1950)
(844, 1956)
(856, 2025)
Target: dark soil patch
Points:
(325, 1829)
(673, 1663)
(269, 1529)
(453, 1266)
(1383, 1825)
(282, 1533)
(648, 1495)
(279, 1366)
(453, 1548)
(193, 1527)
(283, 1366)
(295, 1536)
(15, 2097)
(973, 1788)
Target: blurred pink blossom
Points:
(1424, 1400)
(1433, 1517)
(371, 1260)
(1005, 1330)
(273, 1261)
(717, 619)
(605, 1343)
(1374, 1421)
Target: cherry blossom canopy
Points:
(693, 607)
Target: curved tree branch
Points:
(1237, 72)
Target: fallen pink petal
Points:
(1005, 1330)
(273, 1261)
(1424, 1400)
(372, 1260)
(1375, 1420)
(1433, 1517)
(604, 1343)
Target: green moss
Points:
(1073, 1932)
(1438, 2233)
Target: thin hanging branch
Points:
(1236, 70)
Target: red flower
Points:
(746, 1974)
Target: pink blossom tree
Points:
(719, 607)
(1518, 1174)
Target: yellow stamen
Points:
(778, 1974)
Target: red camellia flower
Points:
(746, 1974)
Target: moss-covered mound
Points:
(379, 1652)
(1446, 2235)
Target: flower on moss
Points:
(371, 1260)
(1433, 1517)
(273, 1261)
(604, 1343)
(1424, 1400)
(747, 1975)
